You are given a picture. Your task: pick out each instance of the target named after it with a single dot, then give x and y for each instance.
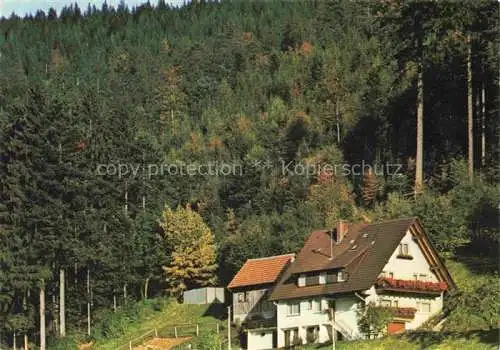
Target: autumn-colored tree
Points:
(193, 257)
(370, 186)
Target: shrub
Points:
(207, 341)
(373, 319)
(65, 343)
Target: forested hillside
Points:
(98, 107)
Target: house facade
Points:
(338, 271)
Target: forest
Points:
(94, 102)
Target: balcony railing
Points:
(391, 284)
(404, 312)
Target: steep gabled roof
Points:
(362, 253)
(260, 271)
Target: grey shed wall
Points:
(205, 295)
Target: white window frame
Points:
(241, 297)
(420, 306)
(301, 281)
(403, 247)
(290, 309)
(341, 276)
(316, 306)
(322, 278)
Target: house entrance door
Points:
(395, 327)
(291, 337)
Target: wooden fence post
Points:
(197, 330)
(156, 333)
(218, 330)
(175, 331)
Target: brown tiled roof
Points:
(260, 271)
(362, 253)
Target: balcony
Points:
(404, 312)
(259, 322)
(421, 287)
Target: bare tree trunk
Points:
(126, 197)
(146, 285)
(14, 343)
(88, 301)
(125, 293)
(62, 310)
(483, 126)
(419, 174)
(25, 308)
(470, 119)
(172, 121)
(42, 316)
(114, 302)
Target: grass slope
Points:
(172, 313)
(481, 340)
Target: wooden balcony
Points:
(404, 312)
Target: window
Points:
(389, 303)
(242, 297)
(341, 276)
(385, 303)
(403, 249)
(293, 309)
(309, 305)
(301, 281)
(312, 280)
(316, 306)
(322, 278)
(331, 277)
(391, 275)
(267, 305)
(424, 307)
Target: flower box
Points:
(410, 285)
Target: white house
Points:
(338, 271)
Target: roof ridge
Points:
(272, 257)
(392, 220)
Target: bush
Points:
(373, 319)
(110, 324)
(66, 343)
(207, 341)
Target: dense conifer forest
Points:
(101, 110)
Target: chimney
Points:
(341, 231)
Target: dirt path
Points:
(161, 343)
